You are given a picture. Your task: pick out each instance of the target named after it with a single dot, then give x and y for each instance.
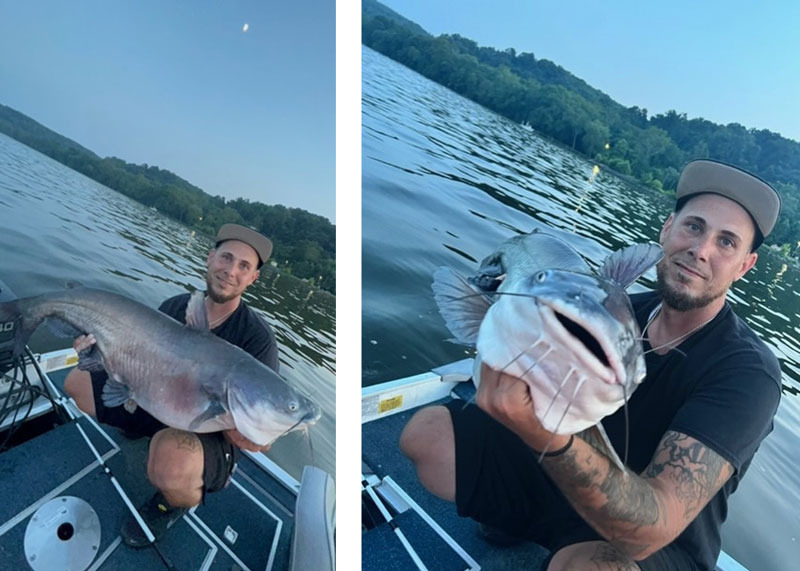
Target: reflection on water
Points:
(445, 181)
(59, 226)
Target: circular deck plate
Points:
(63, 534)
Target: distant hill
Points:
(564, 108)
(304, 243)
(35, 135)
(374, 9)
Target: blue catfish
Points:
(183, 375)
(536, 311)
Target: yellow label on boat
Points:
(72, 360)
(390, 403)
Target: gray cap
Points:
(757, 197)
(261, 244)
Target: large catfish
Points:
(536, 311)
(183, 375)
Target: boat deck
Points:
(381, 548)
(414, 529)
(248, 525)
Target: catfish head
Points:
(264, 406)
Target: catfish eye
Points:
(540, 277)
(293, 406)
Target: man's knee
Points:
(175, 460)
(429, 443)
(589, 555)
(427, 430)
(78, 385)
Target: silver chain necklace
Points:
(679, 338)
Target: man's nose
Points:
(701, 248)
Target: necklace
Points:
(679, 338)
(219, 320)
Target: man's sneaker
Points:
(159, 517)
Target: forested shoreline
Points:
(304, 243)
(539, 93)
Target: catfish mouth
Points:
(584, 336)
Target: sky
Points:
(725, 61)
(184, 86)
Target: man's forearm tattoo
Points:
(693, 467)
(628, 501)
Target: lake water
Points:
(446, 180)
(56, 226)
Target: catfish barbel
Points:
(184, 375)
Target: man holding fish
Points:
(689, 431)
(184, 465)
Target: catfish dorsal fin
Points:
(462, 306)
(196, 316)
(627, 265)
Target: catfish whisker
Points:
(521, 353)
(627, 424)
(295, 425)
(307, 433)
(563, 415)
(558, 392)
(534, 344)
(488, 294)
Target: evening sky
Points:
(182, 86)
(728, 61)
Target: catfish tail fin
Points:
(15, 331)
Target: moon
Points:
(245, 27)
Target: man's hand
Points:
(83, 342)
(235, 437)
(508, 400)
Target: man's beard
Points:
(680, 301)
(215, 296)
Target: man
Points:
(183, 466)
(711, 391)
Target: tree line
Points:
(563, 107)
(304, 243)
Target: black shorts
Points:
(219, 455)
(499, 482)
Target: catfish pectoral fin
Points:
(115, 394)
(212, 411)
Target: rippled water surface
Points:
(445, 181)
(57, 226)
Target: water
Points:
(445, 180)
(59, 226)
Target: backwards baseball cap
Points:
(757, 197)
(261, 244)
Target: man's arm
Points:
(638, 514)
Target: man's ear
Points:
(210, 255)
(747, 264)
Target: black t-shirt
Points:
(244, 328)
(720, 386)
